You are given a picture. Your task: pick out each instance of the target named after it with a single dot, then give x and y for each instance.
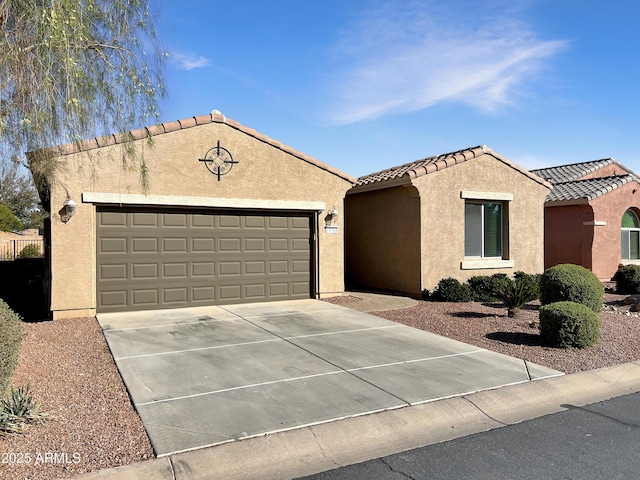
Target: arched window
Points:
(630, 236)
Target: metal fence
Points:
(25, 248)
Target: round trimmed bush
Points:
(451, 290)
(571, 283)
(628, 279)
(569, 324)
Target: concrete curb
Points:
(314, 449)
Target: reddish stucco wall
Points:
(606, 242)
(567, 239)
(596, 245)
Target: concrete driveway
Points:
(209, 375)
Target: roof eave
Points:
(563, 203)
(401, 181)
(168, 127)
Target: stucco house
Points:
(465, 213)
(592, 216)
(230, 216)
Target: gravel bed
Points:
(488, 326)
(92, 423)
(94, 426)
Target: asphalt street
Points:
(597, 441)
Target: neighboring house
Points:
(231, 216)
(591, 216)
(461, 214)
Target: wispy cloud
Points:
(188, 61)
(407, 56)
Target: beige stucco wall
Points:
(443, 218)
(264, 172)
(383, 240)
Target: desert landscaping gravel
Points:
(93, 425)
(92, 422)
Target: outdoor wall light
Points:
(330, 221)
(68, 209)
(334, 214)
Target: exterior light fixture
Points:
(68, 209)
(334, 214)
(330, 221)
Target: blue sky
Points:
(365, 85)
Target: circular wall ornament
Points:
(218, 160)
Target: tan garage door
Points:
(153, 259)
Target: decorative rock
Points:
(631, 299)
(635, 308)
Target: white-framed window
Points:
(630, 234)
(483, 229)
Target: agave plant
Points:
(515, 293)
(20, 406)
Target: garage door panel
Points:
(228, 268)
(144, 271)
(144, 220)
(112, 245)
(174, 220)
(300, 245)
(202, 269)
(203, 245)
(255, 223)
(255, 292)
(230, 245)
(175, 295)
(179, 258)
(172, 245)
(114, 219)
(279, 289)
(278, 223)
(144, 245)
(229, 221)
(175, 270)
(255, 267)
(113, 272)
(255, 245)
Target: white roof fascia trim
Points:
(180, 201)
(486, 195)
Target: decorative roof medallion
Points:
(218, 160)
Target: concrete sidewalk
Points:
(317, 448)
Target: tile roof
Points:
(589, 189)
(574, 171)
(213, 117)
(433, 164)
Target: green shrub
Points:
(628, 279)
(533, 279)
(572, 283)
(569, 324)
(482, 288)
(515, 293)
(30, 251)
(10, 338)
(451, 290)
